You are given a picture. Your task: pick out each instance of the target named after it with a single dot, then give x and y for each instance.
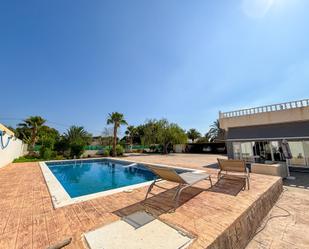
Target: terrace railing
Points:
(266, 108)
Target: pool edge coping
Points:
(61, 198)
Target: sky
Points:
(75, 61)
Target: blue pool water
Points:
(87, 177)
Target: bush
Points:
(156, 148)
(32, 156)
(46, 153)
(60, 157)
(119, 150)
(24, 159)
(106, 152)
(48, 143)
(76, 150)
(139, 150)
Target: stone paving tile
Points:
(28, 219)
(286, 232)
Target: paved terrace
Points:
(218, 217)
(290, 228)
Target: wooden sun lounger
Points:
(228, 166)
(184, 180)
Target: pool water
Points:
(85, 177)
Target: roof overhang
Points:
(291, 130)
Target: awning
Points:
(293, 130)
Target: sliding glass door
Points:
(271, 151)
(300, 153)
(306, 151)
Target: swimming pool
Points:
(87, 177)
(72, 181)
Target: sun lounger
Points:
(184, 180)
(235, 168)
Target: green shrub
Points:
(119, 150)
(106, 152)
(59, 157)
(27, 158)
(24, 159)
(46, 153)
(76, 150)
(32, 156)
(48, 143)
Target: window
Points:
(246, 151)
(298, 155)
(236, 150)
(306, 151)
(243, 150)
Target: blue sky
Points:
(73, 62)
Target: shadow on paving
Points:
(211, 166)
(230, 186)
(163, 202)
(160, 203)
(301, 180)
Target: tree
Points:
(163, 133)
(23, 133)
(47, 135)
(29, 130)
(47, 138)
(117, 119)
(149, 132)
(130, 134)
(171, 134)
(215, 132)
(139, 134)
(77, 138)
(62, 145)
(193, 134)
(204, 139)
(107, 136)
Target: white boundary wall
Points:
(15, 149)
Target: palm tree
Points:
(76, 134)
(131, 133)
(32, 124)
(77, 138)
(215, 132)
(193, 134)
(116, 119)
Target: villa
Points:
(256, 134)
(154, 124)
(95, 203)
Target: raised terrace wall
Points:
(243, 229)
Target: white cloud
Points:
(256, 8)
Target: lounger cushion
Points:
(192, 178)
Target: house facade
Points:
(256, 134)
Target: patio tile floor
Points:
(28, 219)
